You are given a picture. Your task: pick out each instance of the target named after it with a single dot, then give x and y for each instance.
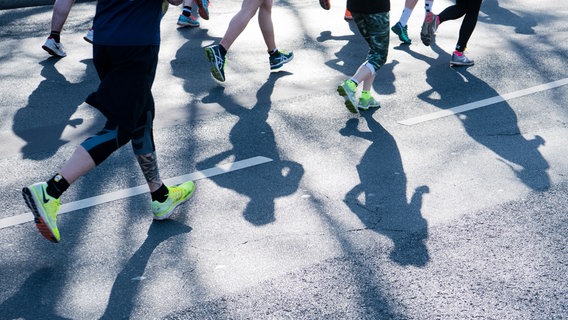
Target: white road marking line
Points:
(126, 193)
(483, 103)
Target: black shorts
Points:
(127, 73)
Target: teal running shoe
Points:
(217, 62)
(176, 196)
(190, 21)
(278, 60)
(401, 32)
(347, 90)
(44, 208)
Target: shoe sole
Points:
(171, 212)
(51, 52)
(278, 66)
(325, 4)
(203, 12)
(348, 104)
(460, 64)
(215, 72)
(188, 25)
(38, 219)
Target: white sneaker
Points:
(54, 48)
(89, 36)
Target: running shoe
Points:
(459, 59)
(54, 48)
(429, 27)
(368, 102)
(401, 32)
(190, 21)
(347, 90)
(203, 8)
(217, 62)
(89, 36)
(176, 196)
(347, 15)
(280, 59)
(44, 208)
(326, 4)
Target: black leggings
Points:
(469, 8)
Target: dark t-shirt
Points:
(368, 6)
(127, 22)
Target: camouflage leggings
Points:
(375, 30)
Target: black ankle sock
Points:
(161, 194)
(222, 50)
(56, 35)
(56, 186)
(186, 11)
(273, 52)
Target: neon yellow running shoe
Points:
(366, 102)
(176, 196)
(44, 207)
(347, 90)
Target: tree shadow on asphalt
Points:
(494, 126)
(41, 123)
(34, 299)
(499, 15)
(252, 136)
(380, 199)
(122, 299)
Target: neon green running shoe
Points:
(347, 90)
(176, 196)
(44, 207)
(366, 102)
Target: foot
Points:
(401, 32)
(217, 62)
(176, 196)
(459, 59)
(347, 90)
(278, 60)
(429, 27)
(326, 4)
(347, 15)
(203, 8)
(54, 48)
(44, 208)
(368, 102)
(89, 36)
(190, 21)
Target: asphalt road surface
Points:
(448, 202)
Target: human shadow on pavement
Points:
(33, 300)
(125, 288)
(499, 15)
(494, 126)
(380, 199)
(41, 123)
(252, 136)
(350, 56)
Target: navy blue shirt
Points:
(368, 6)
(127, 22)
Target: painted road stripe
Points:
(483, 103)
(126, 193)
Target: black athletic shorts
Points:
(127, 73)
